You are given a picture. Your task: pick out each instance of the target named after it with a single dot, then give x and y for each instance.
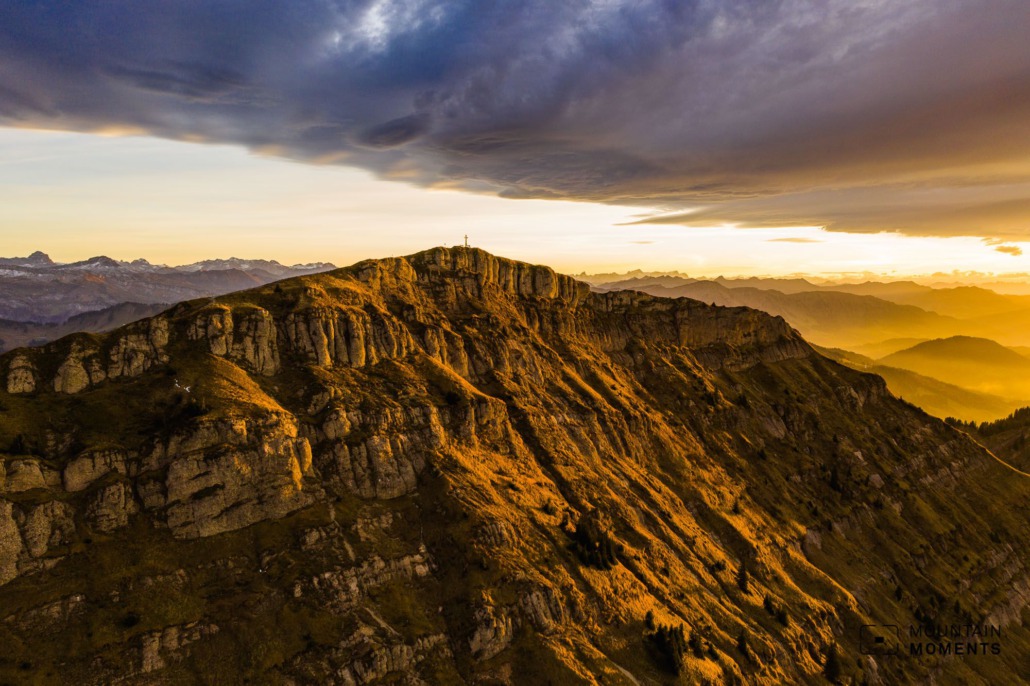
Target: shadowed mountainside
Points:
(457, 468)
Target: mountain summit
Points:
(456, 468)
(36, 259)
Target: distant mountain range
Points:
(41, 261)
(37, 290)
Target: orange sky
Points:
(78, 195)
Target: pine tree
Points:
(743, 578)
(695, 645)
(595, 544)
(742, 642)
(671, 645)
(832, 667)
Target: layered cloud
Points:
(857, 115)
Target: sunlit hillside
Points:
(977, 364)
(940, 348)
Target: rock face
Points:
(455, 468)
(133, 350)
(21, 375)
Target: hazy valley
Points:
(955, 350)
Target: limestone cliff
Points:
(456, 468)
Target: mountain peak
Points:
(36, 259)
(521, 278)
(97, 262)
(979, 364)
(965, 347)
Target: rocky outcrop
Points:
(345, 586)
(169, 645)
(109, 508)
(21, 375)
(46, 526)
(495, 630)
(255, 345)
(226, 475)
(10, 543)
(91, 466)
(24, 475)
(325, 336)
(477, 269)
(48, 616)
(138, 347)
(355, 337)
(496, 627)
(134, 349)
(72, 376)
(32, 535)
(543, 608)
(378, 456)
(399, 658)
(215, 327)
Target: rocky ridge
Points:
(377, 473)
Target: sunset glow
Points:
(79, 195)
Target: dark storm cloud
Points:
(188, 81)
(858, 115)
(997, 208)
(397, 132)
